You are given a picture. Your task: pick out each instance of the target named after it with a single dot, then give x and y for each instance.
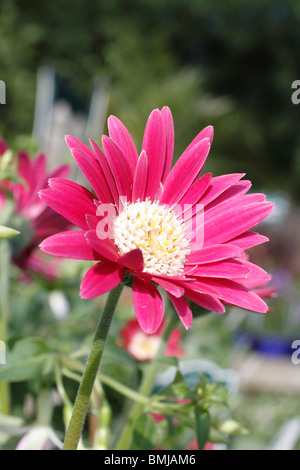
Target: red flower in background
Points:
(35, 219)
(143, 347)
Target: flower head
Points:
(143, 347)
(165, 227)
(32, 216)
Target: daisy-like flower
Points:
(165, 227)
(32, 216)
(143, 347)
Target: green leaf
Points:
(144, 433)
(202, 420)
(178, 389)
(27, 369)
(29, 359)
(168, 361)
(114, 354)
(27, 347)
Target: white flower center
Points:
(144, 347)
(157, 231)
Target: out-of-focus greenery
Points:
(230, 64)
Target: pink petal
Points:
(194, 193)
(206, 301)
(24, 167)
(70, 244)
(255, 272)
(120, 135)
(230, 220)
(133, 260)
(101, 278)
(48, 223)
(230, 292)
(218, 185)
(140, 178)
(105, 248)
(92, 221)
(119, 166)
(169, 286)
(248, 239)
(229, 269)
(194, 221)
(69, 199)
(183, 309)
(238, 189)
(169, 129)
(210, 254)
(106, 172)
(154, 144)
(2, 198)
(94, 174)
(148, 305)
(3, 146)
(184, 172)
(266, 292)
(74, 143)
(206, 133)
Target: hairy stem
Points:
(82, 401)
(4, 315)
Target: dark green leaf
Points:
(202, 420)
(144, 433)
(29, 359)
(27, 369)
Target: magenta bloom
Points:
(143, 347)
(166, 227)
(33, 217)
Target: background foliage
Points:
(227, 63)
(230, 64)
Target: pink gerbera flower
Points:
(165, 227)
(32, 216)
(143, 347)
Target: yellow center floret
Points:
(157, 231)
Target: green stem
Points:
(89, 375)
(4, 315)
(123, 390)
(145, 389)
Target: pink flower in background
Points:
(143, 347)
(165, 227)
(36, 219)
(208, 446)
(3, 148)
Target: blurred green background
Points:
(230, 64)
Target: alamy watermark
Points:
(296, 354)
(2, 92)
(296, 94)
(2, 353)
(191, 215)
